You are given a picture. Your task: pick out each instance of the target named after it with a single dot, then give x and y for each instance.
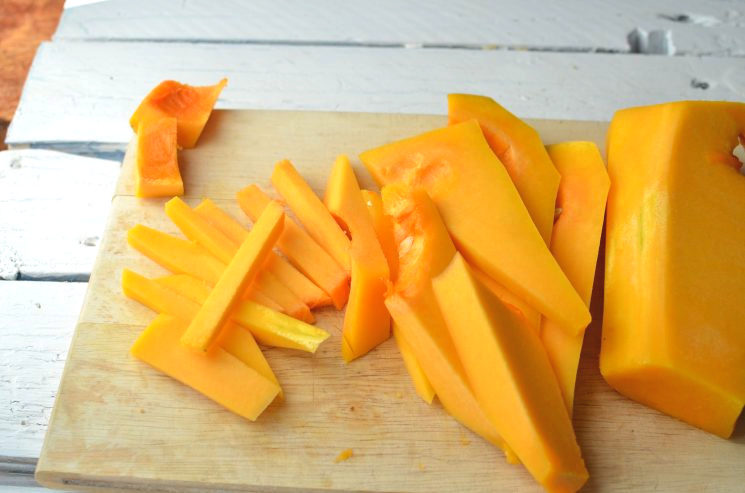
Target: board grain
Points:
(117, 423)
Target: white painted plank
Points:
(696, 26)
(36, 323)
(53, 209)
(84, 92)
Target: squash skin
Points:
(511, 377)
(484, 214)
(157, 173)
(190, 105)
(673, 335)
(575, 242)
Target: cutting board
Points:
(117, 423)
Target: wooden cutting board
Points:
(117, 423)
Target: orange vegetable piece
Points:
(269, 326)
(484, 214)
(302, 250)
(384, 229)
(157, 173)
(160, 298)
(239, 273)
(421, 383)
(217, 374)
(311, 212)
(309, 293)
(190, 105)
(366, 320)
(197, 228)
(519, 147)
(425, 248)
(512, 378)
(575, 242)
(673, 333)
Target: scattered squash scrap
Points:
(190, 105)
(484, 214)
(239, 273)
(512, 378)
(673, 334)
(366, 321)
(157, 173)
(217, 374)
(574, 243)
(301, 249)
(345, 454)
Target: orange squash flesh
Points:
(366, 320)
(574, 243)
(302, 250)
(309, 293)
(384, 229)
(157, 173)
(269, 326)
(190, 105)
(197, 228)
(512, 378)
(484, 214)
(518, 146)
(530, 316)
(421, 383)
(217, 374)
(311, 212)
(160, 298)
(673, 335)
(239, 273)
(425, 248)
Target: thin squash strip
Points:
(421, 383)
(311, 212)
(309, 293)
(197, 228)
(160, 298)
(302, 250)
(239, 273)
(217, 374)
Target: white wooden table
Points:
(574, 60)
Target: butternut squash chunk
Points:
(157, 173)
(673, 335)
(197, 228)
(520, 149)
(239, 273)
(424, 249)
(421, 383)
(160, 298)
(574, 243)
(216, 374)
(366, 320)
(526, 313)
(484, 214)
(384, 229)
(311, 212)
(301, 249)
(510, 373)
(269, 326)
(309, 293)
(190, 105)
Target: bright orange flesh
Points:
(157, 173)
(421, 383)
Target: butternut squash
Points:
(384, 229)
(190, 105)
(512, 378)
(311, 212)
(197, 228)
(285, 273)
(574, 243)
(366, 320)
(239, 273)
(673, 335)
(484, 214)
(302, 250)
(157, 173)
(216, 374)
(424, 249)
(160, 298)
(421, 383)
